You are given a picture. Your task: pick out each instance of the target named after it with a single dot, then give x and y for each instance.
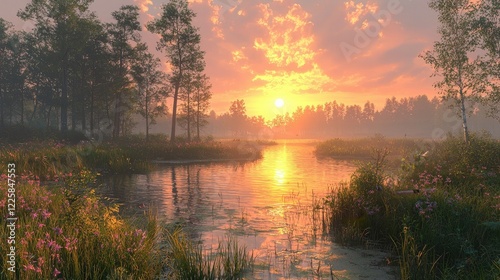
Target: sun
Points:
(279, 103)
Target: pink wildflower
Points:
(58, 230)
(56, 272)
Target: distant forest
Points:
(407, 117)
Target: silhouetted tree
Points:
(180, 40)
(124, 31)
(151, 87)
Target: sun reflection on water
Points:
(264, 204)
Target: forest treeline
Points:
(417, 116)
(72, 71)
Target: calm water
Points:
(266, 204)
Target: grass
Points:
(448, 229)
(365, 148)
(51, 160)
(188, 261)
(68, 233)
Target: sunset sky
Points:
(302, 51)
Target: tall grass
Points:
(189, 261)
(68, 233)
(365, 147)
(52, 160)
(447, 226)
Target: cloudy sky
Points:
(305, 52)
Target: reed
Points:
(191, 262)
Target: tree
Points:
(186, 117)
(462, 79)
(4, 69)
(123, 32)
(180, 40)
(486, 21)
(55, 23)
(201, 101)
(150, 86)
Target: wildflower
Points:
(40, 243)
(40, 225)
(29, 267)
(40, 261)
(56, 272)
(54, 246)
(58, 230)
(45, 214)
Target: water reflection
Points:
(266, 203)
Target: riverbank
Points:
(365, 148)
(65, 231)
(446, 227)
(51, 160)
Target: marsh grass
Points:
(365, 148)
(190, 261)
(69, 233)
(448, 229)
(53, 160)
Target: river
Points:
(266, 204)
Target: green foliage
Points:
(70, 233)
(453, 161)
(448, 229)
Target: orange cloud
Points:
(356, 11)
(144, 4)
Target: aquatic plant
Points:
(189, 261)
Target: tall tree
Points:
(4, 61)
(486, 21)
(55, 23)
(186, 116)
(463, 79)
(150, 86)
(181, 42)
(201, 101)
(123, 33)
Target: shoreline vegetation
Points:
(448, 226)
(49, 159)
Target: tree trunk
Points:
(198, 117)
(174, 113)
(464, 116)
(2, 123)
(64, 97)
(91, 107)
(22, 107)
(189, 114)
(147, 115)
